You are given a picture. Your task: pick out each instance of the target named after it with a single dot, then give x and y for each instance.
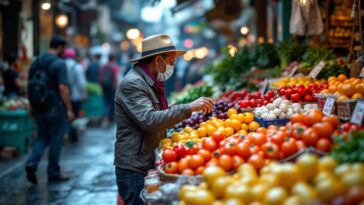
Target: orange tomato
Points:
(235, 124)
(323, 129)
(341, 78)
(299, 117)
(332, 119)
(257, 161)
(183, 164)
(226, 162)
(232, 111)
(314, 117)
(199, 170)
(188, 172)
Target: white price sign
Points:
(293, 71)
(265, 86)
(362, 73)
(317, 69)
(329, 105)
(358, 113)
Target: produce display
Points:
(191, 93)
(307, 181)
(289, 81)
(14, 103)
(255, 99)
(352, 88)
(349, 148)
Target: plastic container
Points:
(266, 123)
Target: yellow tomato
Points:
(276, 196)
(241, 117)
(248, 117)
(199, 197)
(308, 165)
(305, 191)
(210, 130)
(327, 163)
(220, 184)
(258, 191)
(227, 123)
(202, 132)
(228, 131)
(253, 126)
(235, 124)
(294, 200)
(242, 132)
(328, 189)
(232, 111)
(212, 173)
(288, 175)
(244, 126)
(237, 190)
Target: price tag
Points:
(265, 86)
(293, 71)
(317, 69)
(362, 73)
(329, 105)
(358, 113)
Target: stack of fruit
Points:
(255, 100)
(352, 88)
(301, 93)
(14, 104)
(308, 181)
(289, 81)
(238, 123)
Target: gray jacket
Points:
(141, 123)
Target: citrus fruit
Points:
(232, 111)
(357, 96)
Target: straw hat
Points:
(157, 44)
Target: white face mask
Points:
(166, 75)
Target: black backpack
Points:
(39, 86)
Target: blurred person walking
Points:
(11, 77)
(77, 83)
(108, 79)
(49, 96)
(92, 71)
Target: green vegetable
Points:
(191, 93)
(290, 50)
(351, 150)
(189, 144)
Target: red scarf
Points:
(158, 85)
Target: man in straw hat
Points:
(143, 115)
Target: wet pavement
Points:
(89, 163)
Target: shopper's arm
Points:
(65, 95)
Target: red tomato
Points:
(270, 93)
(254, 149)
(218, 136)
(243, 150)
(209, 144)
(188, 172)
(169, 155)
(288, 92)
(310, 137)
(308, 98)
(298, 129)
(222, 143)
(216, 153)
(289, 147)
(199, 170)
(301, 91)
(253, 103)
(259, 139)
(333, 120)
(271, 150)
(229, 149)
(278, 137)
(301, 145)
(324, 145)
(313, 117)
(243, 104)
(195, 148)
(181, 150)
(295, 97)
(196, 161)
(205, 154)
(237, 161)
(323, 129)
(257, 161)
(183, 164)
(212, 162)
(226, 162)
(171, 168)
(299, 117)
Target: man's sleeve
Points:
(139, 106)
(62, 73)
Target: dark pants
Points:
(50, 133)
(72, 132)
(109, 95)
(130, 184)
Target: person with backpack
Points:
(108, 79)
(49, 97)
(77, 83)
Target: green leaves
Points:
(350, 150)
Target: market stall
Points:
(286, 128)
(16, 124)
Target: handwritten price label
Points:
(358, 113)
(317, 69)
(329, 105)
(362, 73)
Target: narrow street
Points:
(89, 163)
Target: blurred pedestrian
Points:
(92, 71)
(143, 115)
(11, 77)
(108, 78)
(77, 83)
(49, 96)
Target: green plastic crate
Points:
(20, 140)
(94, 107)
(16, 120)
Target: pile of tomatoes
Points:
(301, 93)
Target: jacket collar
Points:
(147, 78)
